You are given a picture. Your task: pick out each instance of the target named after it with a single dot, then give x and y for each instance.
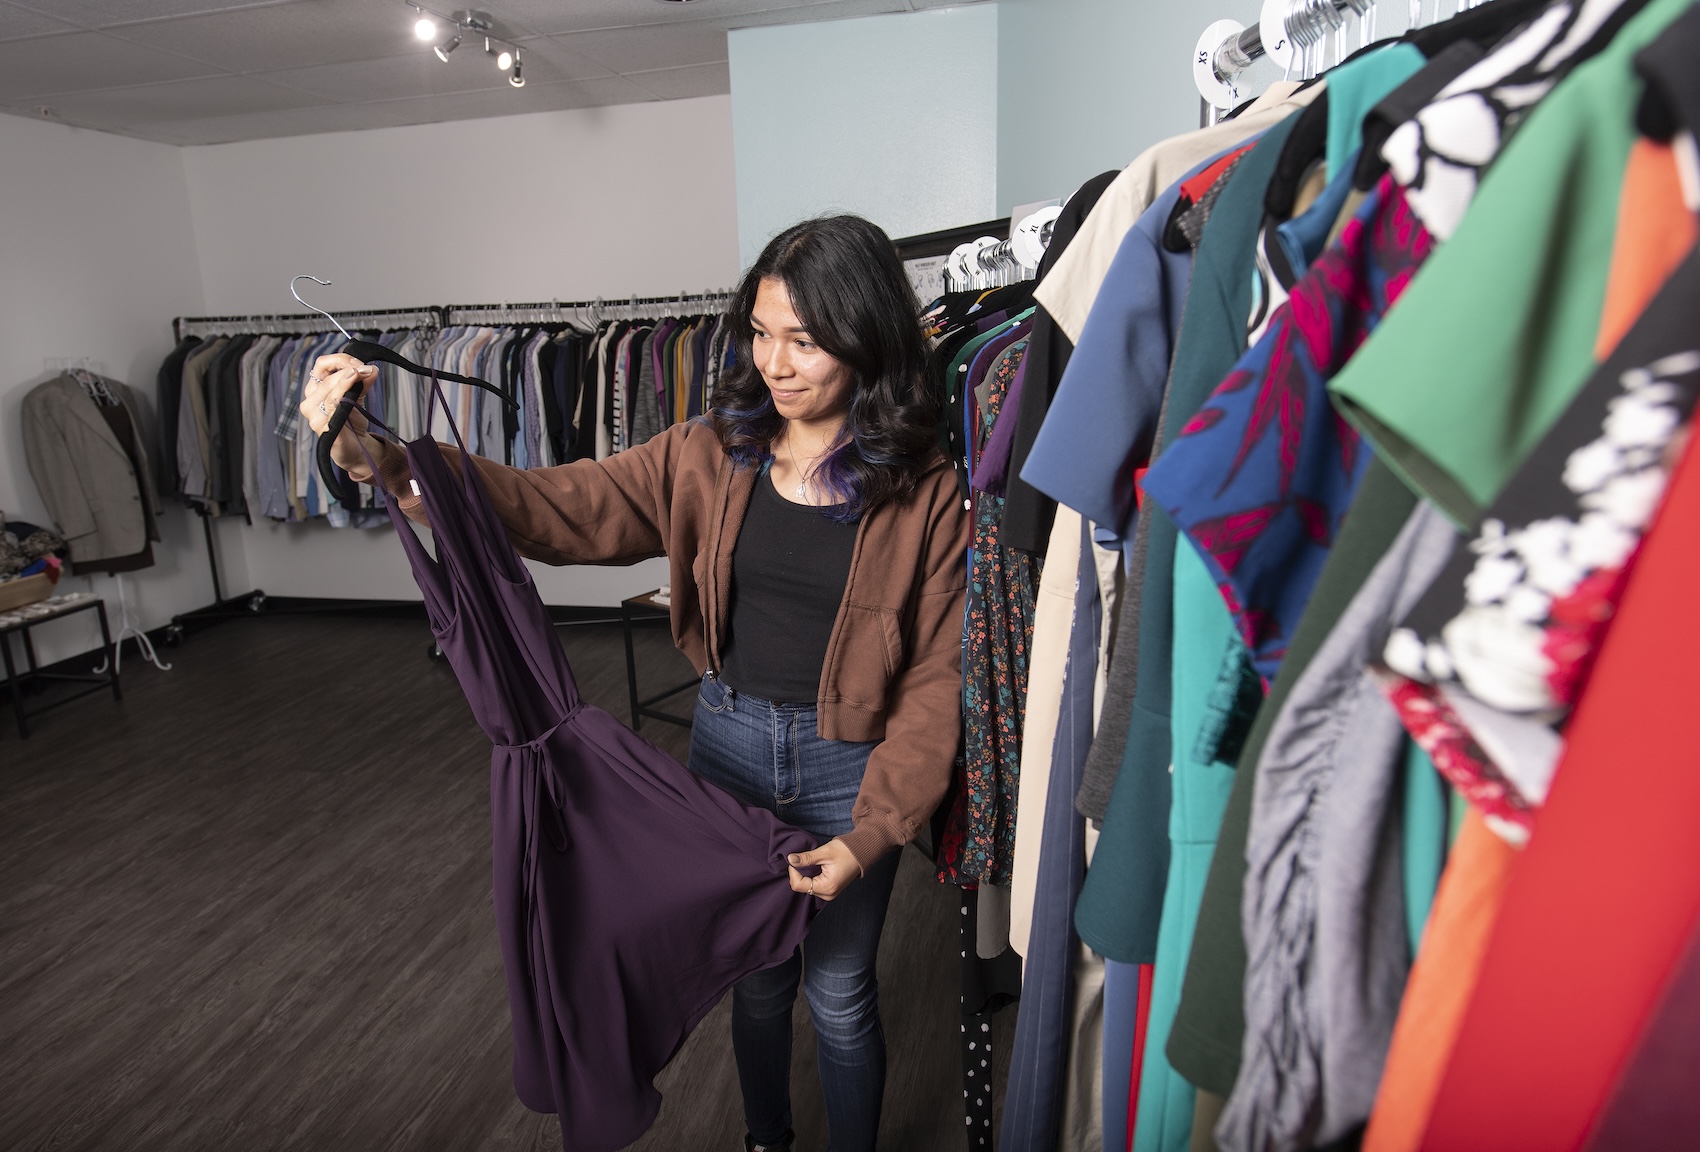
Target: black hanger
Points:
(1671, 100)
(1303, 146)
(370, 352)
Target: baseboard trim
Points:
(169, 636)
(259, 604)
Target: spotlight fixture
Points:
(445, 31)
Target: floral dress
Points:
(978, 844)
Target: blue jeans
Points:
(770, 756)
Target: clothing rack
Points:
(943, 242)
(588, 312)
(591, 312)
(296, 323)
(430, 316)
(955, 258)
(1288, 32)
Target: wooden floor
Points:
(249, 908)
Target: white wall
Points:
(1086, 85)
(97, 253)
(631, 199)
(634, 198)
(891, 117)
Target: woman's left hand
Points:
(838, 867)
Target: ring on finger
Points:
(322, 410)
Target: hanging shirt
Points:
(1518, 297)
(1101, 424)
(978, 844)
(1499, 650)
(1260, 478)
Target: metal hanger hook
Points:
(309, 307)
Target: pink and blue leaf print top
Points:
(1261, 477)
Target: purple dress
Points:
(629, 893)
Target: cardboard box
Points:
(26, 590)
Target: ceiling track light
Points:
(430, 28)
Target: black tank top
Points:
(788, 574)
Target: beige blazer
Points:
(101, 507)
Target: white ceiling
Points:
(212, 71)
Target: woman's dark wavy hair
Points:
(848, 288)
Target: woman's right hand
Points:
(332, 376)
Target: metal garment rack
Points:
(942, 243)
(430, 316)
(302, 323)
(590, 312)
(279, 323)
(1288, 32)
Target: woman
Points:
(816, 542)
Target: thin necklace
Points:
(803, 483)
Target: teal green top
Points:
(1424, 839)
(1208, 654)
(1357, 86)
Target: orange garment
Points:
(1655, 231)
(1194, 189)
(1465, 906)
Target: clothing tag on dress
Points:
(414, 484)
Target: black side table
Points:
(645, 609)
(20, 621)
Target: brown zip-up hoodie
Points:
(893, 668)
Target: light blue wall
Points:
(893, 117)
(1086, 85)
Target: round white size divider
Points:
(1218, 91)
(1027, 243)
(957, 263)
(1272, 27)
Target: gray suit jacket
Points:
(101, 507)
